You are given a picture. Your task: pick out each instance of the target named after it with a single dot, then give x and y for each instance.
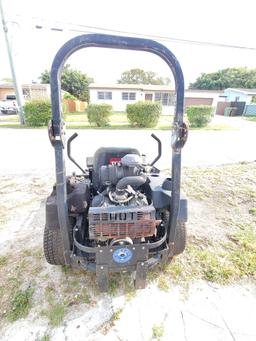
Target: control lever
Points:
(69, 152)
(159, 149)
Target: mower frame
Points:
(57, 132)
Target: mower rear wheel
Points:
(53, 247)
(180, 235)
(180, 238)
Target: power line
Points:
(95, 29)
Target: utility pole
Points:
(17, 86)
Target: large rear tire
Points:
(53, 247)
(180, 236)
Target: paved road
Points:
(29, 150)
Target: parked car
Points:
(9, 105)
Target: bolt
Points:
(111, 250)
(142, 264)
(102, 267)
(133, 248)
(101, 251)
(143, 247)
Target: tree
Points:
(73, 81)
(226, 78)
(139, 76)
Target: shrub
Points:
(67, 95)
(143, 114)
(99, 114)
(37, 113)
(199, 116)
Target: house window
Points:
(104, 95)
(165, 98)
(129, 96)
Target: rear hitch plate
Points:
(120, 258)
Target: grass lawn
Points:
(118, 120)
(250, 118)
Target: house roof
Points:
(148, 87)
(205, 91)
(32, 86)
(243, 91)
(143, 87)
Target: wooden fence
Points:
(74, 106)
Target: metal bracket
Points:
(171, 249)
(179, 135)
(121, 258)
(51, 134)
(102, 277)
(141, 275)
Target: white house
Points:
(119, 95)
(239, 95)
(202, 97)
(30, 91)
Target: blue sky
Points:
(227, 22)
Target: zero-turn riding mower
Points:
(120, 213)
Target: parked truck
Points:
(9, 105)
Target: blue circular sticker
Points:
(122, 255)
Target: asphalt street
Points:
(29, 150)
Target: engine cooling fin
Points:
(121, 222)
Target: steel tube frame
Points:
(114, 42)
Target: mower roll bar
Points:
(56, 128)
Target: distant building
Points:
(239, 95)
(119, 95)
(30, 91)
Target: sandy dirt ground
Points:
(200, 311)
(66, 304)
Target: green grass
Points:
(163, 284)
(223, 264)
(243, 251)
(252, 211)
(230, 192)
(46, 337)
(157, 331)
(3, 260)
(118, 120)
(20, 304)
(217, 127)
(250, 118)
(9, 118)
(55, 313)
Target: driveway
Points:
(29, 150)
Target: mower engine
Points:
(121, 209)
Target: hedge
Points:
(99, 114)
(37, 113)
(199, 116)
(143, 114)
